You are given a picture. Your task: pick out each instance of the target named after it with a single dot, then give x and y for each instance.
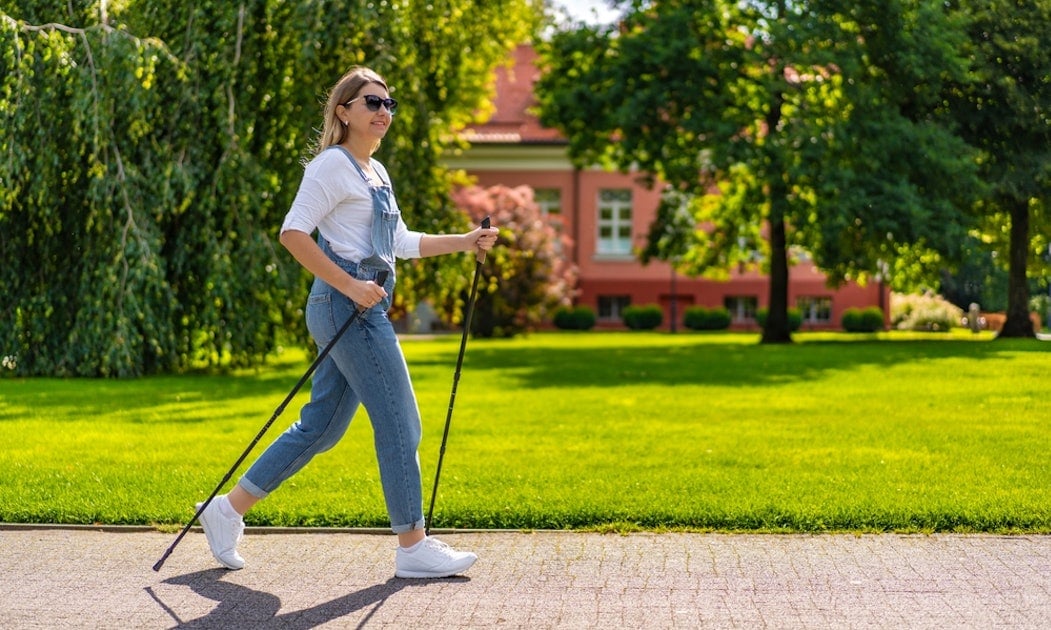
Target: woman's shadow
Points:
(242, 607)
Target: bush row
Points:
(650, 316)
(862, 320)
(576, 318)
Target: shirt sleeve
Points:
(314, 200)
(406, 241)
(320, 191)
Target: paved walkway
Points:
(55, 578)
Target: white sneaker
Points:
(223, 534)
(432, 559)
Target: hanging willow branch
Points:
(98, 268)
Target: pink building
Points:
(607, 216)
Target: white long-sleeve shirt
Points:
(335, 199)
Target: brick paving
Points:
(84, 578)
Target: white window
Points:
(742, 307)
(549, 200)
(817, 310)
(614, 222)
(611, 307)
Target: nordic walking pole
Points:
(381, 279)
(479, 259)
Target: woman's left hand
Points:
(482, 238)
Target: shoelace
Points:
(438, 545)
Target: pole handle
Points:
(480, 256)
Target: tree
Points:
(85, 285)
(151, 149)
(1004, 108)
(808, 125)
(527, 277)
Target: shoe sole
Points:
(431, 575)
(420, 575)
(226, 564)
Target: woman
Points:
(346, 196)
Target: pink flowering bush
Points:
(526, 277)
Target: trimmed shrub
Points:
(866, 320)
(851, 320)
(795, 318)
(646, 317)
(576, 318)
(563, 318)
(872, 319)
(584, 317)
(701, 318)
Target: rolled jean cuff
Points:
(251, 488)
(404, 529)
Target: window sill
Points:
(613, 258)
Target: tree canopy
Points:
(783, 126)
(150, 149)
(1004, 109)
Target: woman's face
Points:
(369, 113)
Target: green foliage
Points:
(703, 318)
(927, 312)
(1041, 306)
(872, 319)
(526, 278)
(851, 320)
(977, 279)
(878, 193)
(574, 318)
(862, 320)
(643, 317)
(150, 154)
(81, 210)
(795, 317)
(791, 124)
(1005, 106)
(1004, 109)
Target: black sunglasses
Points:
(373, 102)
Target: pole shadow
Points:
(242, 607)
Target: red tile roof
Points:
(512, 122)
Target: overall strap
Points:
(357, 166)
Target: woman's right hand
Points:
(365, 293)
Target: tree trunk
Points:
(777, 329)
(1018, 323)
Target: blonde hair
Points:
(345, 89)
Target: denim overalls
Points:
(366, 366)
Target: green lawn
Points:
(595, 430)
